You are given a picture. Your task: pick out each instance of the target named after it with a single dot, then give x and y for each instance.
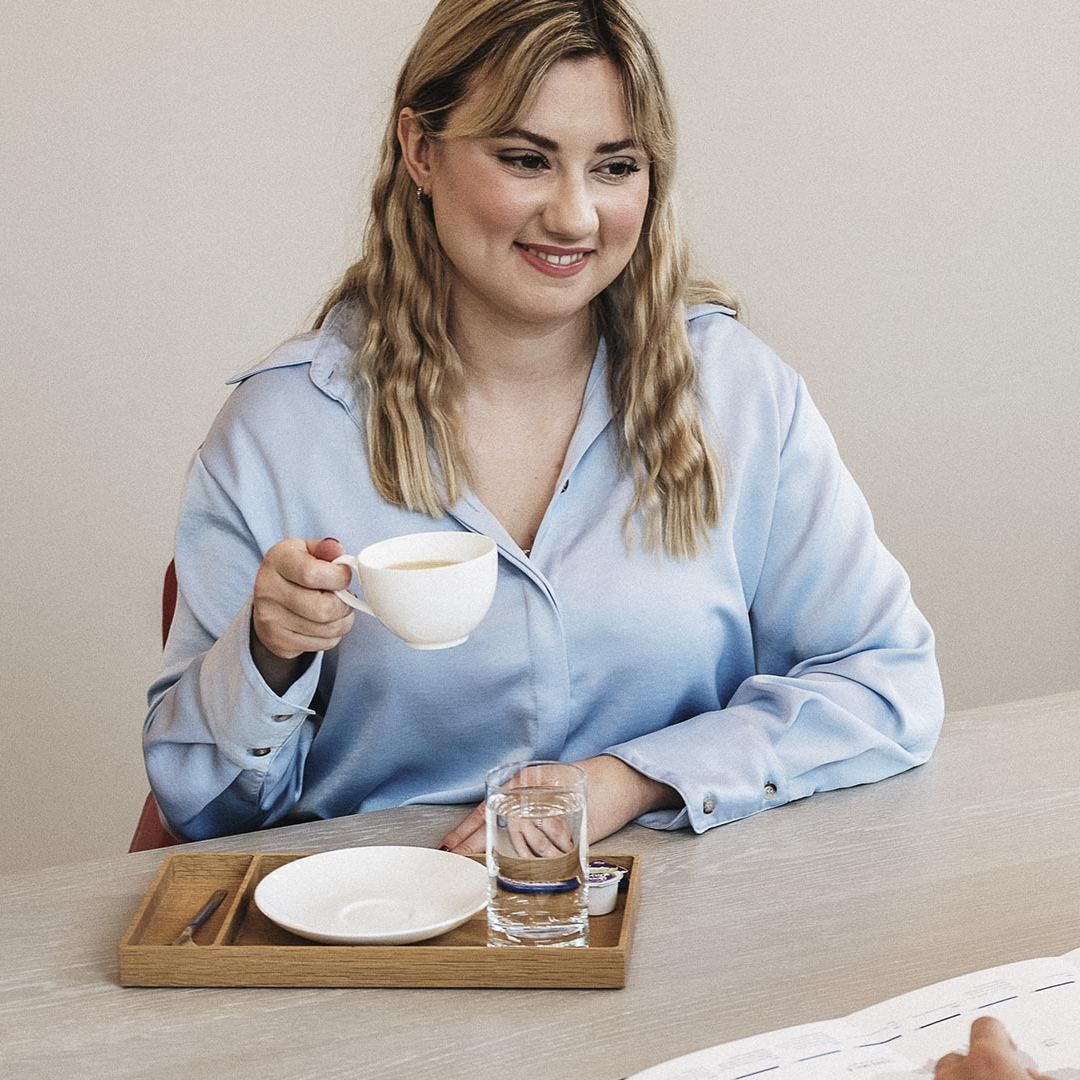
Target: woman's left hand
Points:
(616, 795)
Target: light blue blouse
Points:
(789, 658)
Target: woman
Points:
(691, 603)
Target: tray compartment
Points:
(239, 946)
(250, 927)
(182, 887)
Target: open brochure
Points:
(901, 1039)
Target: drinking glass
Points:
(537, 854)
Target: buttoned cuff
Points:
(248, 721)
(719, 764)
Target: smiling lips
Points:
(555, 262)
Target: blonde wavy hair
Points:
(408, 367)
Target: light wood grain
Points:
(805, 912)
(239, 946)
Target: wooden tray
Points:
(239, 946)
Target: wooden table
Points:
(808, 911)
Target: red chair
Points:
(150, 833)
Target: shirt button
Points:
(282, 717)
(260, 751)
(709, 805)
(770, 790)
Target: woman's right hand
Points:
(295, 611)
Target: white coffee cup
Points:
(431, 589)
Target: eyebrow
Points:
(550, 144)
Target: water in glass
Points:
(537, 859)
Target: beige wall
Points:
(891, 188)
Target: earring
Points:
(419, 194)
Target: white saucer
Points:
(373, 895)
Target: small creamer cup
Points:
(430, 589)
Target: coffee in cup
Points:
(431, 589)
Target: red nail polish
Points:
(443, 847)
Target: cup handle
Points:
(344, 594)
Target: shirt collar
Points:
(325, 351)
(329, 357)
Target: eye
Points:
(619, 168)
(525, 161)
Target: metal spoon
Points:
(185, 935)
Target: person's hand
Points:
(294, 609)
(992, 1055)
(616, 795)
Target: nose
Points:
(570, 212)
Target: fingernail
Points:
(443, 847)
(334, 538)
